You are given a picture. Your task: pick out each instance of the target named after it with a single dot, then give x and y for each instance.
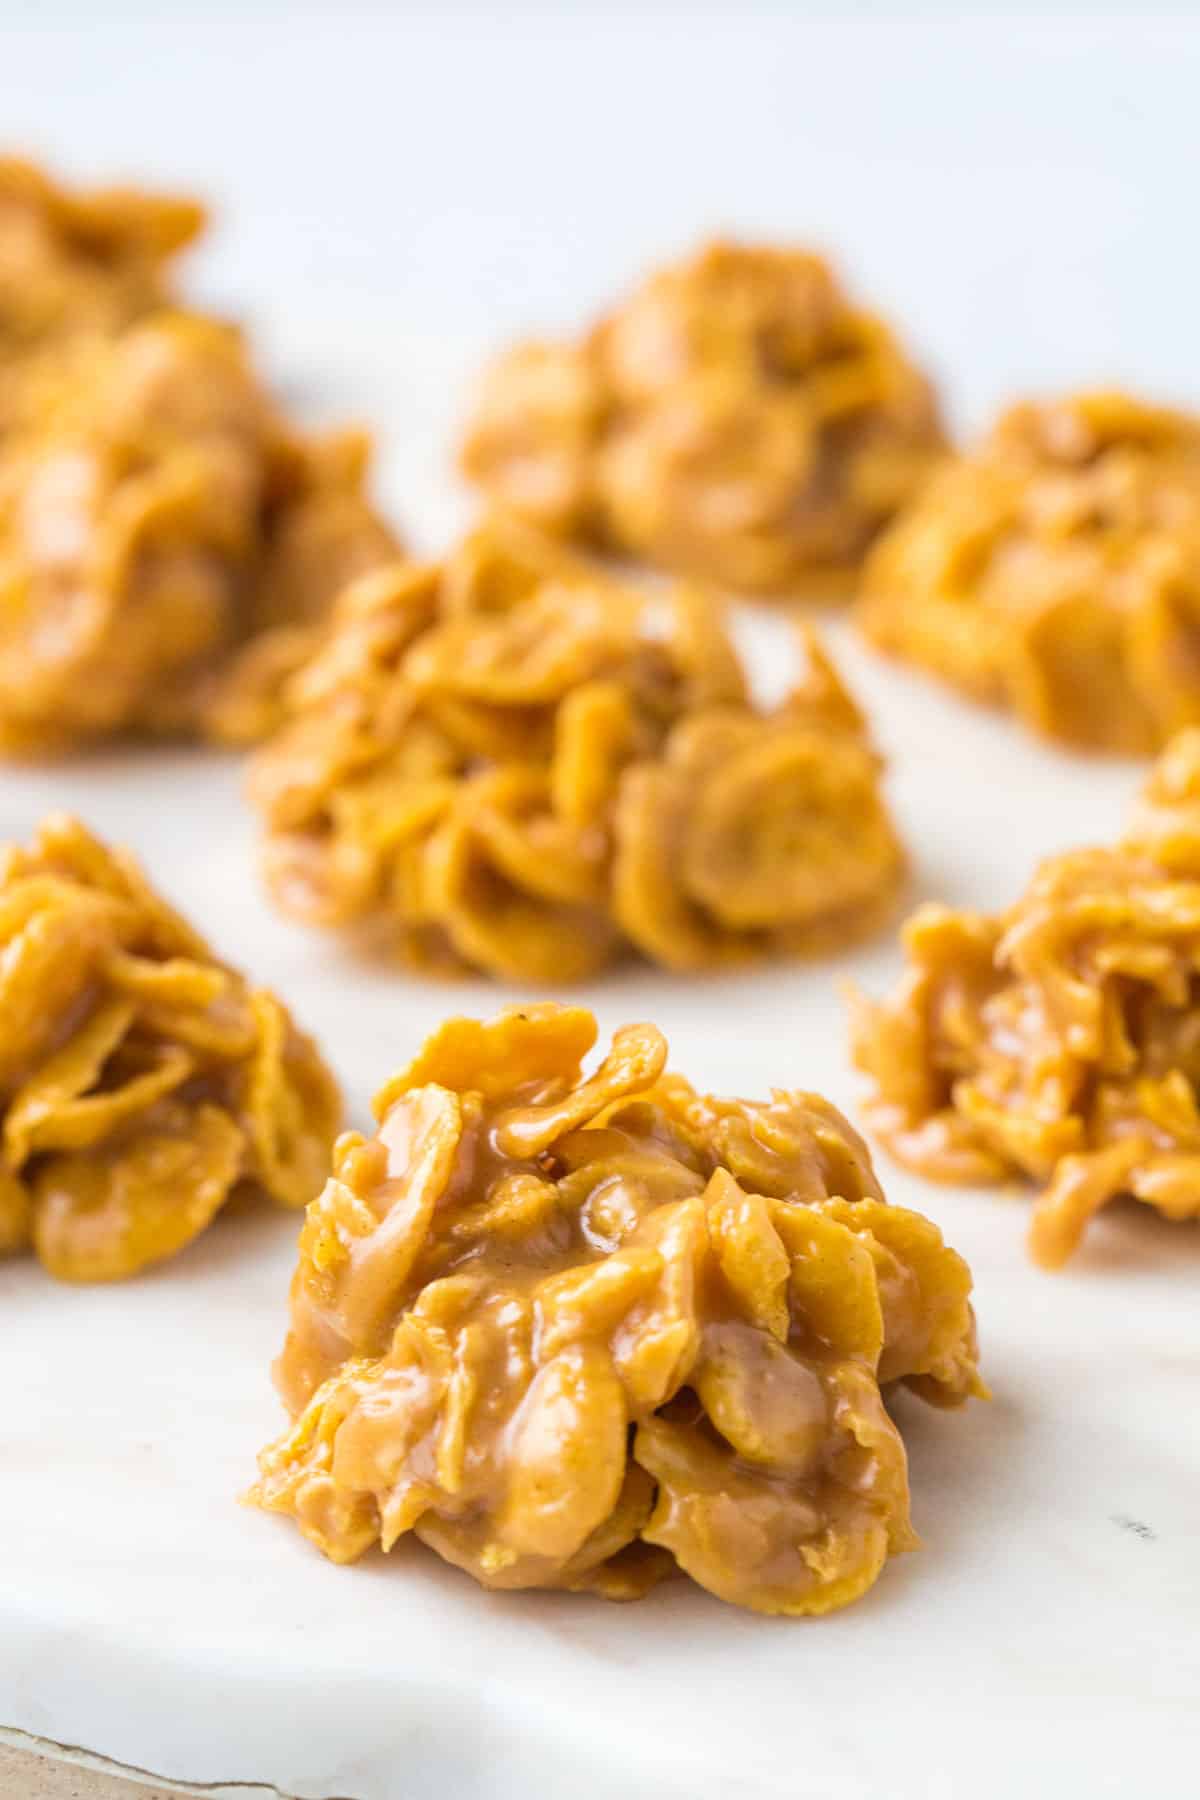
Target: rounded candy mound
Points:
(157, 515)
(581, 1332)
(1057, 1041)
(737, 417)
(142, 1083)
(1056, 571)
(503, 763)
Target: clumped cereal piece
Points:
(500, 763)
(1056, 571)
(142, 1083)
(580, 1332)
(159, 522)
(1059, 1041)
(737, 417)
(80, 264)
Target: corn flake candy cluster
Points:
(586, 1331)
(1056, 571)
(503, 763)
(738, 417)
(1057, 1042)
(167, 537)
(143, 1084)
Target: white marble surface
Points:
(402, 190)
(1047, 1631)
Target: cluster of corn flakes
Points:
(1058, 1041)
(166, 536)
(142, 1083)
(499, 763)
(737, 417)
(1056, 571)
(580, 1332)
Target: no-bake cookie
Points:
(586, 1331)
(507, 762)
(159, 520)
(738, 417)
(142, 1082)
(167, 535)
(1056, 571)
(1059, 1041)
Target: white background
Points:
(399, 191)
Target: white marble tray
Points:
(401, 187)
(1044, 1640)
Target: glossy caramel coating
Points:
(586, 1331)
(142, 1083)
(737, 418)
(505, 762)
(1058, 1041)
(1056, 571)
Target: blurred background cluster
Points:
(1007, 184)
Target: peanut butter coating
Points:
(1056, 571)
(737, 418)
(142, 1083)
(587, 1331)
(1056, 1042)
